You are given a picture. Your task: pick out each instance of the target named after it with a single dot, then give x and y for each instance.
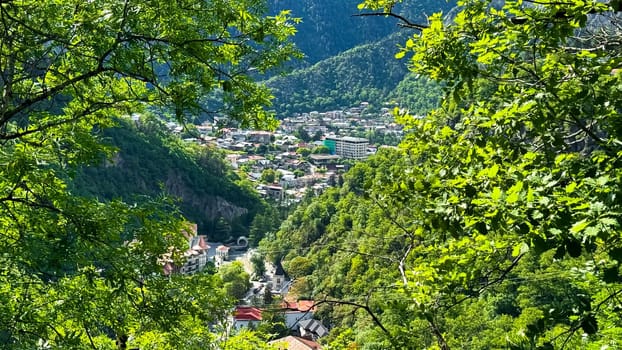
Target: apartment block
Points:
(347, 147)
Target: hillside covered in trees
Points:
(365, 73)
(349, 58)
(83, 271)
(149, 161)
(328, 28)
(497, 221)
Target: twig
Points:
(405, 22)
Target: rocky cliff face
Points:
(150, 162)
(210, 206)
(329, 27)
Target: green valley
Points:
(363, 174)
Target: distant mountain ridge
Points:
(365, 73)
(329, 27)
(349, 59)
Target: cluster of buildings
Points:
(298, 318)
(335, 133)
(198, 254)
(344, 122)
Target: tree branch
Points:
(403, 263)
(499, 279)
(49, 93)
(442, 343)
(404, 21)
(88, 334)
(367, 309)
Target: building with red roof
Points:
(294, 312)
(246, 316)
(195, 258)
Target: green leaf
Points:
(592, 231)
(514, 193)
(512, 197)
(580, 226)
(493, 171)
(496, 194)
(571, 187)
(608, 221)
(519, 249)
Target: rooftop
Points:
(247, 313)
(295, 343)
(314, 326)
(300, 305)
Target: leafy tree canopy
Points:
(77, 273)
(236, 279)
(500, 212)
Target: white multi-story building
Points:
(196, 255)
(195, 258)
(348, 147)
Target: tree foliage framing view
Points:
(496, 224)
(74, 272)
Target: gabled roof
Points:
(300, 305)
(278, 269)
(200, 244)
(247, 313)
(314, 326)
(305, 305)
(295, 343)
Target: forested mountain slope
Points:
(152, 162)
(361, 252)
(351, 58)
(497, 222)
(329, 28)
(366, 73)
